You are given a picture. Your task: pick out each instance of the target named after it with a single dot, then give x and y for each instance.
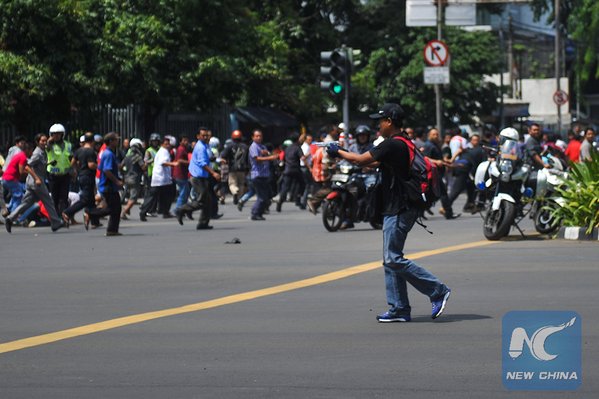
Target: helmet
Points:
(287, 143)
(98, 138)
(154, 136)
(342, 126)
(214, 142)
(172, 140)
(510, 133)
(236, 135)
(363, 129)
(57, 128)
(135, 141)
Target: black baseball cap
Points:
(389, 110)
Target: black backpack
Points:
(239, 158)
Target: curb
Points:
(578, 233)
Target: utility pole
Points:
(438, 94)
(510, 56)
(557, 64)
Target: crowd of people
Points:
(47, 182)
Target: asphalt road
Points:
(318, 341)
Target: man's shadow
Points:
(451, 318)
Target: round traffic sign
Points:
(436, 53)
(560, 97)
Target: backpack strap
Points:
(409, 144)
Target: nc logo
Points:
(536, 343)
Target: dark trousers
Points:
(59, 189)
(213, 196)
(112, 209)
(262, 188)
(294, 184)
(87, 189)
(462, 182)
(157, 195)
(445, 198)
(202, 201)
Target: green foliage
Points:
(396, 72)
(579, 19)
(581, 195)
(60, 55)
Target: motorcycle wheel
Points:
(497, 223)
(332, 214)
(544, 222)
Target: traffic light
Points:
(334, 71)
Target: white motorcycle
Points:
(511, 181)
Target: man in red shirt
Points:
(573, 149)
(14, 174)
(181, 172)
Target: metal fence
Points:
(128, 122)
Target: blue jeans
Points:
(184, 190)
(16, 190)
(399, 270)
(248, 194)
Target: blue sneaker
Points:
(439, 304)
(389, 317)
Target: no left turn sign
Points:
(436, 53)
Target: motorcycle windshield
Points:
(509, 150)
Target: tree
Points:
(579, 19)
(395, 68)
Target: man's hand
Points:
(333, 150)
(216, 176)
(38, 181)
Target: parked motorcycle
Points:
(512, 185)
(545, 182)
(349, 199)
(505, 178)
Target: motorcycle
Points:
(348, 200)
(507, 175)
(545, 183)
(512, 185)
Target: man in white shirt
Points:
(160, 184)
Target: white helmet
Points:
(135, 141)
(510, 133)
(214, 142)
(57, 128)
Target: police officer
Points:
(60, 153)
(398, 219)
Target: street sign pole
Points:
(557, 66)
(438, 97)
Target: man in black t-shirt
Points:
(293, 179)
(433, 151)
(85, 159)
(398, 218)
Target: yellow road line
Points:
(227, 300)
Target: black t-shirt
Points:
(293, 153)
(394, 156)
(474, 156)
(83, 156)
(433, 151)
